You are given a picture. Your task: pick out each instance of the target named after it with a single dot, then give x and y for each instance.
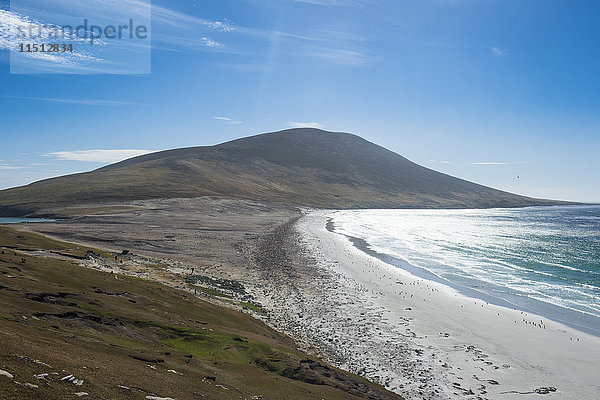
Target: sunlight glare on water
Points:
(550, 254)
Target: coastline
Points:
(343, 305)
(543, 310)
(461, 347)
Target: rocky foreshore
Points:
(327, 313)
(416, 337)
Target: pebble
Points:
(71, 379)
(6, 374)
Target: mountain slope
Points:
(131, 338)
(300, 166)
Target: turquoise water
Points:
(20, 220)
(542, 259)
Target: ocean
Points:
(20, 220)
(544, 260)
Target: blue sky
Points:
(504, 93)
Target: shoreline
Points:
(470, 348)
(346, 307)
(543, 309)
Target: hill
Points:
(123, 337)
(307, 167)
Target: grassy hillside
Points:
(300, 166)
(128, 338)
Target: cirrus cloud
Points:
(499, 52)
(315, 125)
(103, 156)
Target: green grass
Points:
(223, 347)
(106, 339)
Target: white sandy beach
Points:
(425, 340)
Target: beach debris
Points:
(81, 394)
(30, 385)
(545, 390)
(540, 390)
(6, 374)
(158, 398)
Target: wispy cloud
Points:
(10, 167)
(167, 16)
(489, 163)
(179, 31)
(344, 57)
(177, 42)
(104, 156)
(498, 52)
(190, 32)
(211, 43)
(229, 121)
(85, 102)
(331, 46)
(10, 40)
(441, 162)
(338, 2)
(316, 125)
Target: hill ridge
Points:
(301, 166)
